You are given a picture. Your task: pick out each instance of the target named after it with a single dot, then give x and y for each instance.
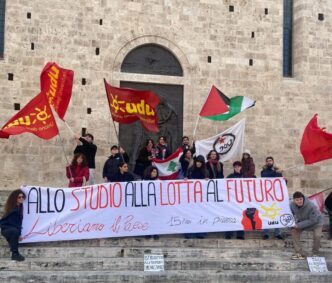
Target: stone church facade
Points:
(236, 45)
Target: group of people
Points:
(82, 171)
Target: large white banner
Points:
(154, 208)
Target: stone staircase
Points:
(212, 259)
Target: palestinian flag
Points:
(169, 168)
(219, 107)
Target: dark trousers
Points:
(12, 235)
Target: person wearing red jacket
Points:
(78, 171)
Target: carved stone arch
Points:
(176, 82)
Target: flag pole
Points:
(69, 128)
(194, 134)
(115, 130)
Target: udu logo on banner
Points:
(154, 207)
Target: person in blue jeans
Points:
(271, 171)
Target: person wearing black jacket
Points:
(328, 205)
(122, 175)
(11, 222)
(214, 166)
(89, 149)
(237, 166)
(111, 165)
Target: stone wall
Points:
(69, 32)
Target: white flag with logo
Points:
(169, 168)
(229, 144)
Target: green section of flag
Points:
(171, 166)
(235, 107)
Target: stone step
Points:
(125, 252)
(137, 264)
(206, 276)
(176, 241)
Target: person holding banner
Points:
(197, 171)
(237, 166)
(86, 146)
(271, 171)
(307, 218)
(11, 222)
(78, 171)
(214, 166)
(186, 161)
(122, 175)
(151, 173)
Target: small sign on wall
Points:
(153, 262)
(317, 264)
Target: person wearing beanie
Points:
(307, 218)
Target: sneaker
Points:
(228, 237)
(279, 237)
(297, 257)
(17, 257)
(266, 237)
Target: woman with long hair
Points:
(145, 156)
(162, 150)
(11, 222)
(123, 174)
(78, 171)
(214, 166)
(248, 165)
(197, 171)
(151, 173)
(186, 161)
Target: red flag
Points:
(318, 200)
(57, 83)
(316, 144)
(129, 105)
(36, 118)
(215, 104)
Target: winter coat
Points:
(111, 165)
(270, 172)
(13, 219)
(89, 150)
(213, 172)
(235, 175)
(308, 216)
(77, 172)
(125, 177)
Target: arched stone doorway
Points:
(153, 59)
